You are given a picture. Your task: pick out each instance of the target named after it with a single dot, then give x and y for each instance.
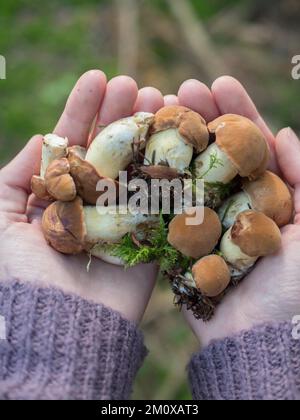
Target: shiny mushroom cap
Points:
(198, 240)
(243, 143)
(85, 176)
(256, 234)
(64, 227)
(59, 182)
(211, 275)
(191, 125)
(271, 196)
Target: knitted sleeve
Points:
(261, 364)
(59, 346)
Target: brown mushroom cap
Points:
(85, 176)
(211, 275)
(195, 241)
(243, 142)
(191, 125)
(271, 196)
(38, 187)
(64, 227)
(256, 234)
(59, 182)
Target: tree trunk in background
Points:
(197, 38)
(128, 36)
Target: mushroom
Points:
(198, 240)
(58, 181)
(101, 253)
(86, 177)
(268, 194)
(210, 275)
(112, 150)
(240, 149)
(70, 227)
(252, 236)
(175, 133)
(110, 153)
(54, 147)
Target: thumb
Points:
(15, 178)
(287, 147)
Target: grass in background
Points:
(47, 46)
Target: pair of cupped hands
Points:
(271, 293)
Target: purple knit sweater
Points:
(60, 346)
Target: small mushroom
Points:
(198, 240)
(175, 134)
(112, 150)
(38, 187)
(54, 147)
(268, 194)
(252, 236)
(240, 149)
(86, 177)
(210, 275)
(70, 227)
(59, 183)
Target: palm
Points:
(275, 280)
(24, 253)
(272, 290)
(270, 293)
(28, 257)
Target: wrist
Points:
(230, 319)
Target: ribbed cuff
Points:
(261, 364)
(60, 346)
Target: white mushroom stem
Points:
(104, 226)
(54, 147)
(111, 151)
(169, 148)
(232, 207)
(99, 252)
(213, 166)
(189, 280)
(234, 255)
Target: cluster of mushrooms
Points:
(245, 204)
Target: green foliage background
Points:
(48, 45)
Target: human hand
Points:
(272, 290)
(24, 253)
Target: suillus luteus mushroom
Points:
(245, 205)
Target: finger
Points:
(197, 96)
(15, 178)
(149, 100)
(81, 108)
(232, 98)
(287, 147)
(120, 98)
(171, 100)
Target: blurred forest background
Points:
(161, 43)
